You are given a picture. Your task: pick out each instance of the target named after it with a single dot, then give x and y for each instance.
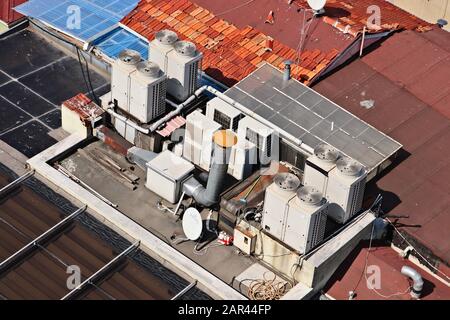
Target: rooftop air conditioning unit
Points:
(122, 69)
(345, 192)
(306, 219)
(161, 46)
(148, 92)
(276, 203)
(224, 114)
(183, 66)
(265, 139)
(243, 157)
(319, 165)
(198, 139)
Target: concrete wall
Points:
(428, 10)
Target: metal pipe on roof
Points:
(417, 281)
(127, 121)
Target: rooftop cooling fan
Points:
(130, 57)
(326, 153)
(148, 69)
(349, 167)
(166, 37)
(287, 181)
(185, 48)
(309, 195)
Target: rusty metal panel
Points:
(7, 14)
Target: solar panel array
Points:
(96, 15)
(311, 117)
(120, 39)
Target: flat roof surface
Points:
(311, 117)
(393, 285)
(405, 107)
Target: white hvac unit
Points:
(122, 69)
(184, 63)
(161, 46)
(224, 114)
(276, 203)
(198, 139)
(318, 167)
(345, 192)
(306, 219)
(147, 92)
(265, 139)
(166, 174)
(180, 60)
(243, 157)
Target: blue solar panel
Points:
(120, 39)
(96, 15)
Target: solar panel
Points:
(312, 118)
(113, 43)
(96, 15)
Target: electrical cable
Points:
(418, 253)
(86, 78)
(267, 289)
(234, 8)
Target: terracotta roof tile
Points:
(230, 53)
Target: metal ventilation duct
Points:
(326, 153)
(349, 167)
(310, 196)
(287, 181)
(130, 57)
(166, 37)
(148, 69)
(185, 48)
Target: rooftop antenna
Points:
(317, 6)
(192, 224)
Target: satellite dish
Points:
(317, 5)
(130, 57)
(192, 224)
(185, 48)
(148, 69)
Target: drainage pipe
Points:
(417, 280)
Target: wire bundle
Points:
(267, 289)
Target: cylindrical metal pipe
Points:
(417, 281)
(287, 71)
(224, 140)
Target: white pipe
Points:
(127, 121)
(220, 95)
(417, 280)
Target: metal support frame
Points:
(16, 182)
(102, 272)
(184, 291)
(33, 245)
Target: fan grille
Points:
(326, 153)
(287, 181)
(148, 69)
(309, 195)
(130, 57)
(185, 48)
(166, 37)
(349, 167)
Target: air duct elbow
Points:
(223, 142)
(417, 281)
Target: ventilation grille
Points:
(166, 37)
(130, 57)
(222, 119)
